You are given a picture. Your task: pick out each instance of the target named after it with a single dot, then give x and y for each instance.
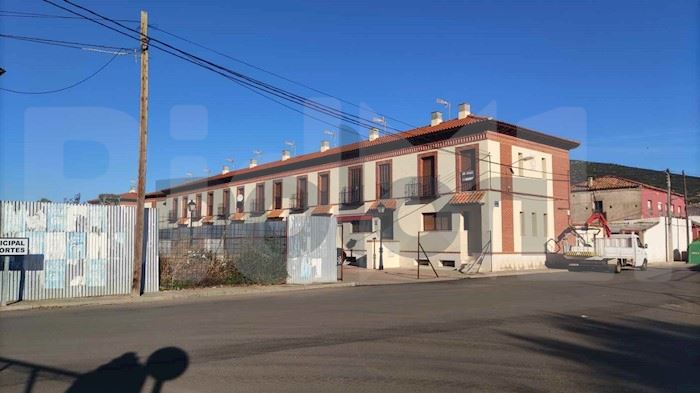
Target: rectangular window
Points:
(277, 194)
(522, 224)
(384, 180)
(650, 208)
(598, 206)
(302, 185)
(544, 168)
(174, 208)
(198, 206)
(545, 224)
(534, 224)
(240, 196)
(467, 169)
(210, 204)
(323, 189)
(361, 226)
(226, 205)
(355, 184)
(427, 176)
(184, 206)
(521, 169)
(659, 206)
(259, 198)
(437, 221)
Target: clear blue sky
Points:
(620, 78)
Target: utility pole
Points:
(687, 219)
(143, 134)
(669, 232)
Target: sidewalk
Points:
(352, 277)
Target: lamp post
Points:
(380, 209)
(191, 205)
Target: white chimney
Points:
(589, 182)
(325, 145)
(373, 133)
(253, 163)
(436, 118)
(225, 170)
(464, 110)
(285, 155)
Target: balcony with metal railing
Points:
(422, 187)
(172, 217)
(223, 211)
(257, 206)
(298, 202)
(351, 196)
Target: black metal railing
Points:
(422, 187)
(324, 198)
(298, 201)
(351, 195)
(257, 205)
(384, 189)
(223, 211)
(172, 217)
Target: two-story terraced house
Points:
(469, 185)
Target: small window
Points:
(522, 224)
(545, 224)
(437, 221)
(521, 169)
(598, 206)
(361, 226)
(544, 168)
(534, 224)
(659, 206)
(210, 204)
(277, 194)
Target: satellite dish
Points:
(239, 198)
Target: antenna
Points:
(332, 134)
(447, 105)
(293, 145)
(380, 120)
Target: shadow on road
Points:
(123, 374)
(639, 352)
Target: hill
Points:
(580, 170)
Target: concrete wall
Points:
(620, 204)
(655, 238)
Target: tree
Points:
(44, 200)
(75, 199)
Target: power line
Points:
(238, 60)
(67, 87)
(67, 44)
(246, 63)
(259, 87)
(239, 77)
(23, 14)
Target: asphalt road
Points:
(572, 331)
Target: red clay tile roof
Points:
(322, 210)
(445, 125)
(276, 213)
(467, 197)
(611, 182)
(237, 217)
(605, 183)
(388, 203)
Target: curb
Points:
(172, 295)
(515, 273)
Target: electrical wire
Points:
(67, 44)
(254, 85)
(67, 87)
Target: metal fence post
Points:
(5, 282)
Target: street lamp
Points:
(510, 167)
(191, 205)
(380, 209)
